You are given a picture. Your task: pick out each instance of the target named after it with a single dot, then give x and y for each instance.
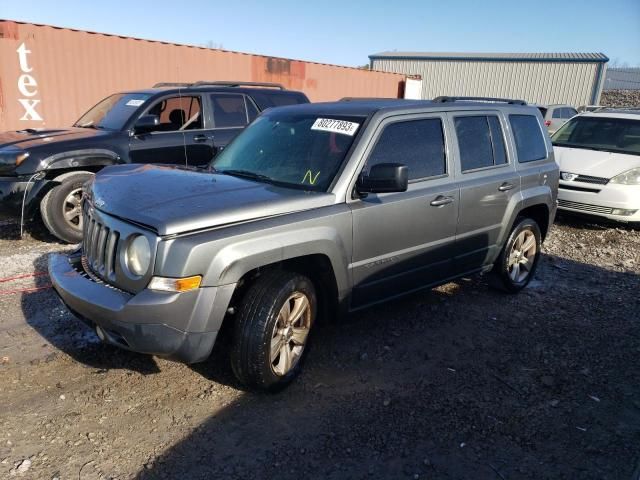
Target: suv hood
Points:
(173, 200)
(594, 162)
(31, 138)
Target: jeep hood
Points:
(594, 162)
(173, 200)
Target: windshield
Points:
(299, 151)
(620, 135)
(113, 112)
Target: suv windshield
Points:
(113, 112)
(621, 135)
(293, 150)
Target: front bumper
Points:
(11, 194)
(158, 323)
(602, 201)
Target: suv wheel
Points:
(518, 260)
(272, 330)
(61, 208)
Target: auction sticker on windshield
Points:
(134, 103)
(335, 126)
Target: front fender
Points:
(225, 255)
(236, 260)
(89, 157)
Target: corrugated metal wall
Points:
(59, 73)
(622, 79)
(535, 82)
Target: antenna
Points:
(184, 139)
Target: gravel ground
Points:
(620, 98)
(459, 382)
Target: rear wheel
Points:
(61, 208)
(517, 262)
(272, 330)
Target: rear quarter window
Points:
(530, 145)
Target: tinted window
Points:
(480, 142)
(600, 133)
(558, 113)
(528, 137)
(251, 108)
(228, 110)
(177, 113)
(497, 140)
(418, 144)
(543, 111)
(113, 112)
(571, 112)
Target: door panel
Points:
(483, 211)
(158, 147)
(485, 192)
(401, 242)
(404, 241)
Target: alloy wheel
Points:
(290, 333)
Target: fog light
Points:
(165, 284)
(622, 212)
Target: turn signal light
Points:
(21, 158)
(165, 284)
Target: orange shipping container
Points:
(49, 76)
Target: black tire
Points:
(259, 320)
(54, 203)
(502, 274)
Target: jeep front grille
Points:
(99, 245)
(585, 207)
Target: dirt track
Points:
(460, 382)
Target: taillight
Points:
(547, 123)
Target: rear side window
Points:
(251, 108)
(418, 144)
(229, 110)
(480, 142)
(558, 113)
(530, 144)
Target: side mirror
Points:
(146, 123)
(385, 178)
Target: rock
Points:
(22, 467)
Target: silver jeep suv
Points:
(313, 211)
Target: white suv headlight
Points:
(138, 255)
(631, 177)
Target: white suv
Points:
(599, 158)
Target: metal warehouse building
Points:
(573, 78)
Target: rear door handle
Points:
(441, 200)
(505, 187)
(201, 138)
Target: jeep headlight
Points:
(138, 255)
(630, 177)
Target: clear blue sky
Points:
(346, 32)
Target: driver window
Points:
(177, 113)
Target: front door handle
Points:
(201, 138)
(441, 200)
(505, 187)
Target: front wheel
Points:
(517, 262)
(61, 209)
(272, 330)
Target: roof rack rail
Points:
(221, 83)
(171, 84)
(510, 101)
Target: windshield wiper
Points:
(245, 174)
